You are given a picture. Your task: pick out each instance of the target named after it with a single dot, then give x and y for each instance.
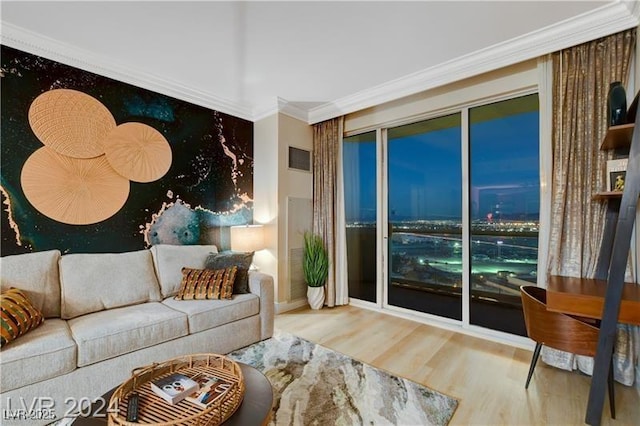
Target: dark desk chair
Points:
(559, 331)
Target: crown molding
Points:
(265, 110)
(634, 7)
(38, 44)
(287, 108)
(600, 22)
(281, 106)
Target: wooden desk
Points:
(585, 297)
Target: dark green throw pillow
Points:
(229, 259)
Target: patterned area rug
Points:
(314, 385)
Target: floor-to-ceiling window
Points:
(460, 211)
(504, 203)
(359, 165)
(425, 216)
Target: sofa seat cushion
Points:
(93, 282)
(108, 334)
(206, 314)
(45, 352)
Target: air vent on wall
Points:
(299, 159)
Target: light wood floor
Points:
(486, 377)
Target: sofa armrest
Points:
(261, 285)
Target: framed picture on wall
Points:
(616, 170)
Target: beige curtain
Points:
(328, 206)
(581, 78)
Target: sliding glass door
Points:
(425, 217)
(505, 208)
(453, 203)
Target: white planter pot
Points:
(315, 296)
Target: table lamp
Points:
(247, 238)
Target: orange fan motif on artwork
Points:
(138, 152)
(76, 191)
(81, 176)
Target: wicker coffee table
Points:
(255, 408)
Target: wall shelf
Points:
(605, 195)
(618, 137)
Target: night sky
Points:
(425, 173)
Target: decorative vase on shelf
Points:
(616, 104)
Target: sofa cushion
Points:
(37, 275)
(18, 316)
(206, 314)
(200, 284)
(108, 334)
(96, 281)
(228, 259)
(169, 261)
(45, 352)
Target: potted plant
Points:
(316, 269)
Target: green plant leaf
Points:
(315, 264)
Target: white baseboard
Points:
(290, 306)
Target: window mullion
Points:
(466, 223)
(382, 246)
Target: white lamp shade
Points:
(246, 238)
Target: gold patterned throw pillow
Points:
(199, 284)
(18, 315)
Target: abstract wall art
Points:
(90, 164)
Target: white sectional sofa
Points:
(106, 314)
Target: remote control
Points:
(132, 408)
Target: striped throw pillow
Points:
(199, 284)
(18, 315)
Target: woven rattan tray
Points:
(153, 410)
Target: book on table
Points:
(174, 388)
(211, 389)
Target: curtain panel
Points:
(328, 206)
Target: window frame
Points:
(512, 82)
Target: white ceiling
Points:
(312, 59)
